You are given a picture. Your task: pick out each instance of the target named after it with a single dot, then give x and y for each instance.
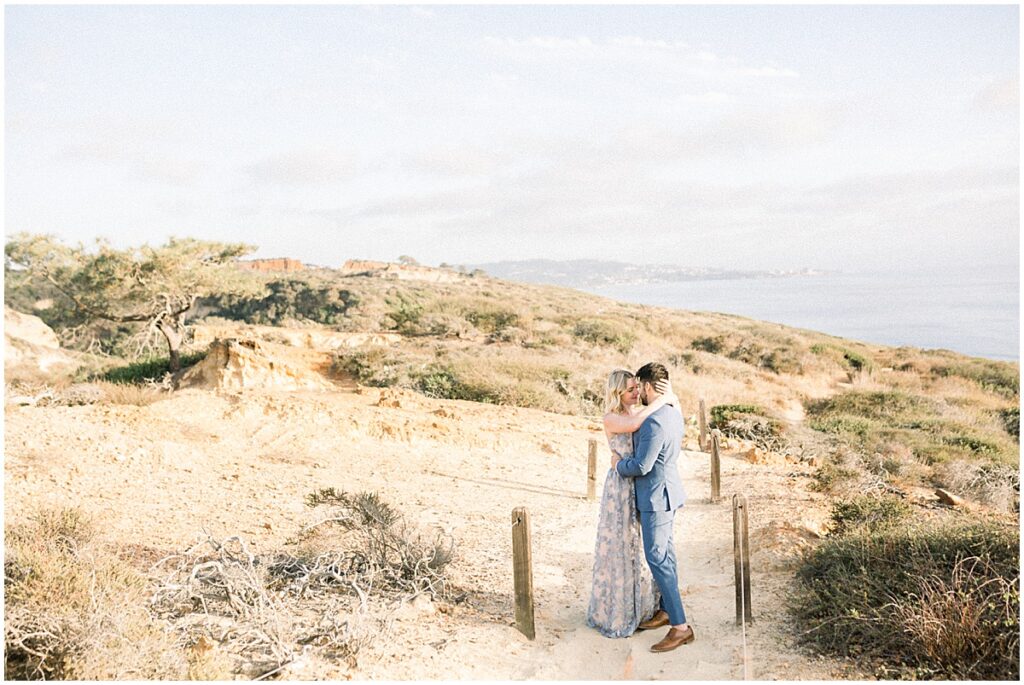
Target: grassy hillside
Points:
(549, 347)
(883, 425)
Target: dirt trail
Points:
(242, 462)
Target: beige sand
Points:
(242, 462)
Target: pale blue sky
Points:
(745, 137)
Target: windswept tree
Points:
(152, 286)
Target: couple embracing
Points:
(635, 583)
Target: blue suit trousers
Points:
(660, 551)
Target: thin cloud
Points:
(302, 167)
(459, 160)
(670, 56)
(999, 96)
(171, 170)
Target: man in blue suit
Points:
(659, 493)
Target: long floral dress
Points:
(624, 592)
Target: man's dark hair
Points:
(652, 373)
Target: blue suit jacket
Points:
(654, 465)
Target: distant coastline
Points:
(588, 273)
(974, 311)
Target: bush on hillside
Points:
(870, 420)
(74, 611)
(856, 362)
(712, 344)
(782, 359)
(747, 422)
(286, 300)
(994, 485)
(870, 513)
(1011, 420)
(443, 382)
(492, 319)
(1001, 377)
(604, 333)
(377, 366)
(406, 314)
(149, 370)
(933, 600)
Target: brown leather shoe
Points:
(675, 638)
(659, 619)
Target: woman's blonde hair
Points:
(617, 382)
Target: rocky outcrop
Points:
(31, 348)
(401, 272)
(271, 265)
(237, 364)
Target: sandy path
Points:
(156, 477)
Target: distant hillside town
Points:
(405, 271)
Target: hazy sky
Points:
(745, 137)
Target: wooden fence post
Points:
(592, 469)
(702, 419)
(716, 473)
(522, 567)
(741, 559)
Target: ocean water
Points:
(975, 312)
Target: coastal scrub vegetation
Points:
(79, 608)
(923, 592)
(915, 598)
(73, 610)
(145, 289)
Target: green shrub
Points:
(938, 600)
(714, 345)
(150, 369)
(286, 299)
(377, 367)
(605, 333)
(889, 407)
(1001, 377)
(443, 382)
(1011, 420)
(843, 424)
(492, 320)
(831, 476)
(855, 361)
(405, 313)
(870, 512)
(782, 359)
(972, 443)
(721, 414)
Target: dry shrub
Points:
(379, 550)
(965, 622)
(748, 422)
(78, 394)
(227, 584)
(257, 615)
(138, 395)
(995, 485)
(74, 610)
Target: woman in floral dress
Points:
(623, 593)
